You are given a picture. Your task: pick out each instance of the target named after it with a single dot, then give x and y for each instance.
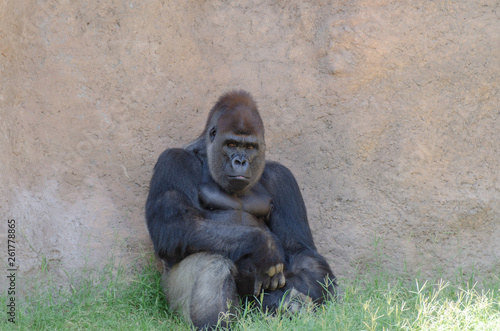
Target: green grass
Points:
(117, 299)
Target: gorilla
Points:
(227, 224)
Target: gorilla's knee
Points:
(202, 289)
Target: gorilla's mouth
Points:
(239, 177)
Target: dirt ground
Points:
(387, 112)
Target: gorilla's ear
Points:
(212, 134)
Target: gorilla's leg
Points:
(202, 289)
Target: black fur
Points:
(218, 195)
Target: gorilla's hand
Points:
(269, 273)
(272, 279)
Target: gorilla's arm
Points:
(288, 219)
(178, 226)
(305, 268)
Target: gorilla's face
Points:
(236, 149)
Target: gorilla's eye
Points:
(250, 147)
(231, 145)
(212, 134)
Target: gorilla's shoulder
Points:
(275, 171)
(177, 157)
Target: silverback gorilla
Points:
(226, 223)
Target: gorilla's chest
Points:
(251, 208)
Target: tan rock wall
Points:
(387, 112)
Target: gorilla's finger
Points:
(266, 282)
(257, 287)
(274, 283)
(282, 280)
(271, 271)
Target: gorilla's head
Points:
(235, 143)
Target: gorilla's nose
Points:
(240, 163)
